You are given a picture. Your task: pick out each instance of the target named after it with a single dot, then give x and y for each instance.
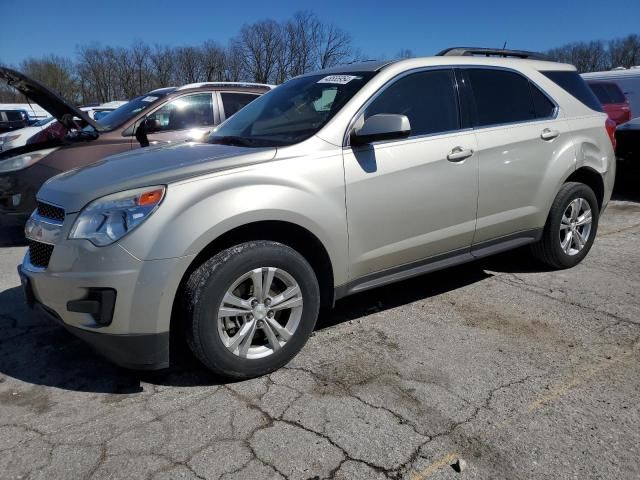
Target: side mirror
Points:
(151, 125)
(383, 126)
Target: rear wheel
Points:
(251, 308)
(571, 227)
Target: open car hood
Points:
(50, 101)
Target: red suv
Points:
(613, 101)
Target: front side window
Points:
(188, 111)
(427, 99)
(500, 97)
(291, 113)
(232, 102)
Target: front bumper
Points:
(137, 335)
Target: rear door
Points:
(406, 201)
(519, 136)
(188, 117)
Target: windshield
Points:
(292, 112)
(129, 110)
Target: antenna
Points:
(505, 45)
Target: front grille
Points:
(40, 253)
(52, 212)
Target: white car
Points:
(19, 138)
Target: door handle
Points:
(458, 154)
(549, 134)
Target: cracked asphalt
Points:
(520, 372)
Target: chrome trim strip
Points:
(42, 230)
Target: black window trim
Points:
(346, 142)
(223, 113)
(471, 96)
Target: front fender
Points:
(196, 212)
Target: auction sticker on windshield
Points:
(338, 79)
(150, 98)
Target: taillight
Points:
(610, 125)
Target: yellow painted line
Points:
(445, 461)
(579, 378)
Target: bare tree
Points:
(625, 52)
(55, 72)
(405, 53)
(162, 61)
(260, 46)
(586, 56)
(213, 58)
(333, 46)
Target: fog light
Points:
(15, 199)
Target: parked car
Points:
(168, 115)
(628, 144)
(11, 120)
(18, 138)
(335, 182)
(51, 130)
(628, 79)
(613, 101)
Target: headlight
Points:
(108, 219)
(8, 138)
(25, 160)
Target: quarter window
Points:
(188, 111)
(428, 99)
(232, 102)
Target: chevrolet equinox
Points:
(333, 183)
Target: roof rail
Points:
(491, 52)
(227, 84)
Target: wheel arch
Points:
(295, 236)
(592, 179)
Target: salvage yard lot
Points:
(521, 373)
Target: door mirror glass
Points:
(383, 126)
(151, 125)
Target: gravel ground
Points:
(497, 369)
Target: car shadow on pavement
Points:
(35, 350)
(11, 233)
(627, 187)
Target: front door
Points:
(415, 198)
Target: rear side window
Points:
(232, 102)
(615, 94)
(428, 99)
(543, 106)
(601, 92)
(500, 97)
(576, 86)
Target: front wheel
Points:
(571, 227)
(251, 308)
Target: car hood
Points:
(74, 189)
(50, 101)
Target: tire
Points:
(549, 250)
(210, 328)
